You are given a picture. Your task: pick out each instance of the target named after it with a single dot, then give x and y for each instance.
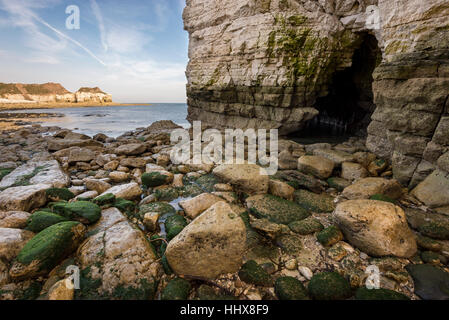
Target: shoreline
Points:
(33, 106)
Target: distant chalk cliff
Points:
(50, 93)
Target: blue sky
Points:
(134, 49)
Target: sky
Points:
(135, 50)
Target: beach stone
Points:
(376, 167)
(97, 185)
(118, 258)
(289, 288)
(151, 221)
(353, 171)
(41, 220)
(157, 178)
(307, 226)
(329, 286)
(379, 294)
(111, 165)
(338, 183)
(211, 245)
(249, 178)
(337, 157)
(197, 205)
(37, 172)
(45, 250)
(368, 187)
(319, 167)
(320, 203)
(24, 198)
(252, 273)
(14, 219)
(287, 161)
(151, 167)
(377, 228)
(80, 155)
(434, 190)
(12, 241)
(128, 191)
(60, 291)
(276, 209)
(176, 289)
(330, 236)
(87, 195)
(117, 176)
(178, 181)
(60, 144)
(77, 190)
(132, 149)
(431, 282)
(59, 194)
(281, 189)
(133, 162)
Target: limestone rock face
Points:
(211, 245)
(37, 172)
(118, 254)
(264, 64)
(23, 198)
(376, 227)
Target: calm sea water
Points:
(113, 121)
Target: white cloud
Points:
(99, 16)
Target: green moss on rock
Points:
(58, 194)
(276, 209)
(5, 172)
(252, 273)
(306, 226)
(330, 236)
(41, 220)
(338, 183)
(176, 289)
(162, 208)
(145, 291)
(329, 286)
(49, 247)
(435, 230)
(314, 202)
(289, 288)
(125, 206)
(104, 200)
(167, 194)
(154, 179)
(381, 197)
(83, 211)
(379, 294)
(174, 225)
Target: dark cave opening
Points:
(347, 109)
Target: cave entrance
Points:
(347, 109)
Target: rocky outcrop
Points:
(49, 93)
(279, 63)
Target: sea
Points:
(112, 120)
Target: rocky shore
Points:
(139, 227)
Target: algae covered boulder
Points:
(320, 203)
(83, 211)
(252, 273)
(45, 250)
(156, 178)
(329, 286)
(174, 225)
(329, 236)
(276, 209)
(289, 288)
(306, 226)
(103, 200)
(58, 194)
(379, 294)
(42, 220)
(176, 289)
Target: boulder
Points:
(128, 191)
(337, 157)
(133, 162)
(329, 286)
(368, 187)
(211, 245)
(353, 171)
(157, 178)
(12, 241)
(37, 172)
(281, 189)
(97, 185)
(197, 205)
(117, 176)
(83, 211)
(45, 250)
(14, 219)
(60, 144)
(24, 198)
(377, 228)
(276, 209)
(118, 259)
(80, 155)
(434, 190)
(248, 178)
(319, 167)
(132, 149)
(431, 282)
